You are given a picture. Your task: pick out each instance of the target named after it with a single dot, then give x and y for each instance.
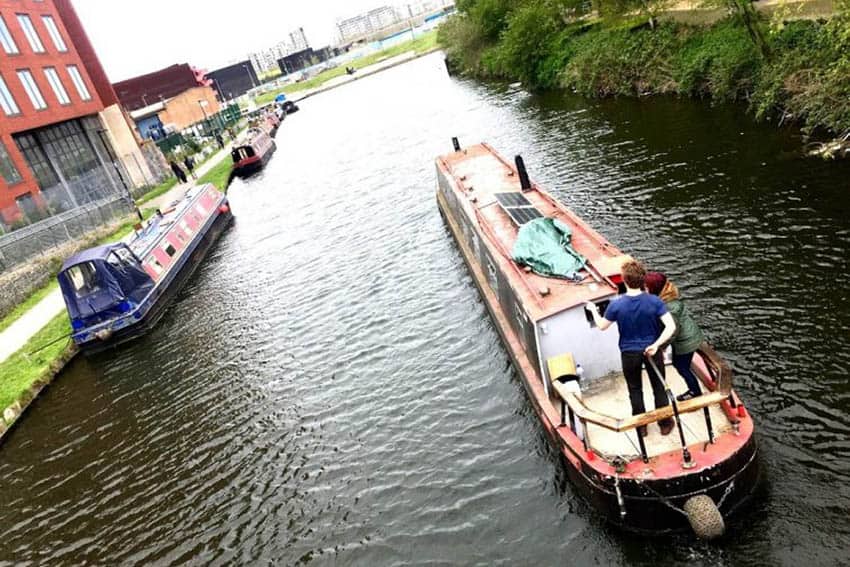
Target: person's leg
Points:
(659, 393)
(632, 373)
(682, 364)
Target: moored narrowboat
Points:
(116, 292)
(572, 373)
(252, 153)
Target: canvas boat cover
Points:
(97, 281)
(543, 244)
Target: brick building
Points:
(59, 123)
(168, 99)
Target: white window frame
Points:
(79, 82)
(6, 39)
(52, 77)
(29, 84)
(55, 34)
(32, 35)
(7, 101)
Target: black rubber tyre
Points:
(704, 517)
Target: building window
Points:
(32, 35)
(9, 45)
(53, 30)
(44, 173)
(7, 102)
(7, 167)
(56, 84)
(78, 82)
(32, 89)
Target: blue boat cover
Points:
(543, 244)
(98, 285)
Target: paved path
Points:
(18, 333)
(31, 322)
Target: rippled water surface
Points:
(328, 389)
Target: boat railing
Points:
(716, 374)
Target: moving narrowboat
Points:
(251, 154)
(117, 292)
(699, 474)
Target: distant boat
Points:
(116, 292)
(572, 372)
(252, 153)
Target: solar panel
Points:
(512, 199)
(522, 215)
(517, 207)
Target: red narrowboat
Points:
(572, 372)
(251, 154)
(116, 292)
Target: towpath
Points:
(16, 335)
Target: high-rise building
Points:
(367, 23)
(62, 133)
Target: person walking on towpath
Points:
(178, 172)
(190, 166)
(639, 317)
(688, 335)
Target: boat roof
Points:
(144, 241)
(96, 253)
(479, 174)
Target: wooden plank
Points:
(616, 424)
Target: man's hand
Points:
(592, 307)
(651, 350)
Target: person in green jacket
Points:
(688, 335)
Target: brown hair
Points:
(634, 274)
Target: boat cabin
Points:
(102, 283)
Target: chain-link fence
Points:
(38, 238)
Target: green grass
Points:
(425, 42)
(160, 189)
(28, 304)
(20, 371)
(219, 175)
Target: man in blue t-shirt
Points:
(645, 325)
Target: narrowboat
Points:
(117, 292)
(696, 476)
(252, 153)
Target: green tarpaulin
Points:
(544, 245)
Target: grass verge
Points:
(219, 174)
(20, 371)
(160, 189)
(425, 42)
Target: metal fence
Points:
(192, 137)
(38, 238)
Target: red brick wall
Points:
(30, 118)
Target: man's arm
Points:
(601, 322)
(666, 334)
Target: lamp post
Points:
(250, 75)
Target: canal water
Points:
(328, 388)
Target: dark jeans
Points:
(682, 363)
(632, 364)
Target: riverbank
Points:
(784, 69)
(422, 45)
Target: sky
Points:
(133, 38)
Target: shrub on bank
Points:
(804, 72)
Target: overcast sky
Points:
(132, 38)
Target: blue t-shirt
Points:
(638, 319)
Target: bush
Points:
(721, 62)
(610, 62)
